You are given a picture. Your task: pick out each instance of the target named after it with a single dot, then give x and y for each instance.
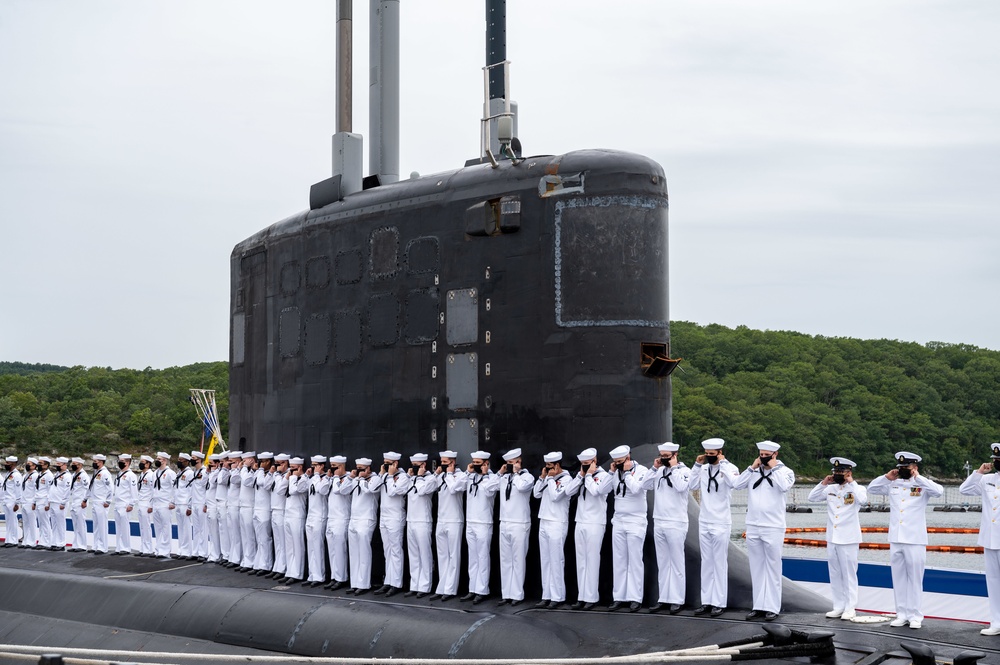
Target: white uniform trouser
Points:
(295, 546)
(248, 537)
(764, 545)
(57, 516)
(714, 542)
(44, 525)
(222, 524)
(278, 535)
(588, 539)
(10, 523)
(843, 562)
(184, 530)
(359, 548)
(100, 526)
(145, 529)
(421, 556)
(478, 537)
(29, 524)
(161, 523)
(235, 540)
(907, 564)
(626, 546)
(212, 529)
(448, 537)
(315, 537)
(513, 553)
(992, 558)
(392, 549)
(265, 540)
(336, 545)
(670, 566)
(199, 529)
(123, 531)
(552, 552)
(79, 517)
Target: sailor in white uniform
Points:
(480, 497)
(99, 498)
(163, 503)
(59, 502)
(296, 497)
(234, 485)
(767, 480)
(985, 483)
(43, 485)
(668, 480)
(908, 493)
(451, 482)
(263, 483)
(628, 528)
(515, 525)
(248, 538)
(392, 522)
(126, 498)
(79, 485)
(144, 505)
(714, 476)
(279, 497)
(591, 523)
(214, 554)
(182, 502)
(11, 500)
(221, 506)
(365, 491)
(29, 516)
(844, 497)
(316, 513)
(199, 507)
(553, 489)
(419, 522)
(338, 517)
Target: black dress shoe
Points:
(98, 552)
(393, 590)
(753, 615)
(478, 599)
(328, 586)
(410, 594)
(634, 606)
(263, 573)
(542, 605)
(588, 606)
(614, 606)
(435, 596)
(361, 592)
(771, 616)
(421, 594)
(555, 605)
(578, 605)
(716, 611)
(338, 585)
(382, 589)
(704, 609)
(230, 564)
(654, 608)
(467, 597)
(675, 608)
(503, 601)
(515, 603)
(446, 597)
(352, 591)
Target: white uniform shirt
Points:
(365, 494)
(59, 491)
(263, 483)
(907, 506)
(43, 484)
(419, 499)
(100, 486)
(515, 497)
(766, 489)
(144, 488)
(182, 488)
(233, 488)
(279, 491)
(986, 485)
(669, 485)
(716, 484)
(319, 488)
(222, 485)
(295, 496)
(79, 486)
(592, 497)
(246, 487)
(451, 491)
(12, 486)
(199, 487)
(163, 487)
(126, 489)
(555, 495)
(393, 488)
(843, 527)
(480, 493)
(338, 504)
(630, 497)
(29, 487)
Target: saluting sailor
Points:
(714, 476)
(296, 493)
(279, 498)
(908, 493)
(182, 502)
(163, 503)
(419, 521)
(392, 523)
(515, 525)
(222, 506)
(146, 506)
(553, 488)
(29, 515)
(248, 539)
(199, 507)
(79, 485)
(451, 482)
(59, 502)
(668, 480)
(338, 517)
(11, 498)
(212, 509)
(263, 483)
(844, 498)
(126, 497)
(481, 492)
(316, 510)
(985, 482)
(628, 528)
(234, 485)
(99, 496)
(591, 523)
(43, 485)
(364, 489)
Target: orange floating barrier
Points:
(954, 549)
(882, 529)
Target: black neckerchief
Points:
(9, 474)
(510, 485)
(75, 477)
(474, 489)
(197, 475)
(713, 478)
(143, 475)
(27, 477)
(118, 478)
(93, 478)
(665, 475)
(622, 489)
(763, 477)
(413, 488)
(156, 483)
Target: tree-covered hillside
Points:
(28, 368)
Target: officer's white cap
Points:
(480, 454)
(318, 459)
(552, 457)
(249, 455)
(265, 456)
(211, 458)
(363, 461)
(588, 454)
(124, 456)
(668, 447)
(62, 460)
(282, 457)
(768, 446)
(184, 456)
(338, 459)
(713, 444)
(395, 457)
(163, 455)
(98, 457)
(11, 458)
(297, 460)
(904, 457)
(75, 460)
(146, 458)
(197, 454)
(512, 454)
(995, 447)
(33, 460)
(619, 452)
(448, 453)
(842, 461)
(419, 457)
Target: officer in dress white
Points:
(316, 512)
(392, 523)
(668, 480)
(11, 499)
(364, 489)
(296, 493)
(591, 523)
(126, 498)
(552, 487)
(451, 482)
(163, 503)
(144, 505)
(515, 525)
(248, 539)
(908, 493)
(419, 521)
(985, 482)
(480, 497)
(79, 485)
(263, 529)
(222, 506)
(99, 498)
(844, 497)
(212, 509)
(182, 502)
(768, 481)
(628, 528)
(59, 502)
(43, 485)
(234, 484)
(29, 516)
(338, 517)
(199, 507)
(714, 476)
(279, 497)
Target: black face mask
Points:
(94, 465)
(996, 465)
(905, 472)
(121, 465)
(838, 478)
(765, 460)
(711, 459)
(158, 463)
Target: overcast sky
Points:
(833, 167)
